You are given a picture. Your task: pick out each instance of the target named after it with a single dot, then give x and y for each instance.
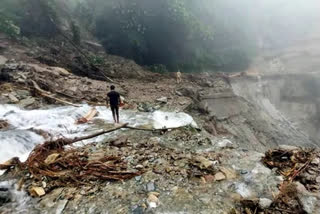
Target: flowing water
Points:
(23, 133)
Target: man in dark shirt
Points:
(114, 100)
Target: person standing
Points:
(114, 101)
(178, 77)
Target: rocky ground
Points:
(219, 168)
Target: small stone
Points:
(183, 103)
(209, 178)
(243, 172)
(137, 210)
(162, 100)
(154, 193)
(152, 205)
(139, 166)
(150, 187)
(138, 178)
(157, 107)
(27, 102)
(13, 99)
(229, 173)
(179, 93)
(288, 148)
(316, 161)
(44, 184)
(225, 144)
(153, 198)
(219, 176)
(23, 93)
(265, 203)
(203, 162)
(236, 196)
(37, 191)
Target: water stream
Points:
(23, 133)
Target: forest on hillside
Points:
(220, 35)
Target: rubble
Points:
(299, 192)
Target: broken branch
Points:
(50, 95)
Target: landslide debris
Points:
(299, 192)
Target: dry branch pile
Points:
(296, 165)
(73, 166)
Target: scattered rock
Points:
(188, 92)
(61, 204)
(37, 191)
(179, 93)
(229, 173)
(152, 200)
(157, 107)
(61, 71)
(225, 144)
(265, 203)
(139, 166)
(309, 204)
(3, 60)
(27, 102)
(243, 172)
(244, 190)
(288, 147)
(138, 210)
(150, 187)
(209, 178)
(219, 176)
(138, 178)
(183, 102)
(13, 98)
(162, 100)
(308, 200)
(121, 141)
(22, 94)
(203, 163)
(209, 127)
(316, 161)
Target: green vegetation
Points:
(8, 27)
(176, 33)
(218, 35)
(76, 37)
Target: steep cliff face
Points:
(291, 96)
(286, 83)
